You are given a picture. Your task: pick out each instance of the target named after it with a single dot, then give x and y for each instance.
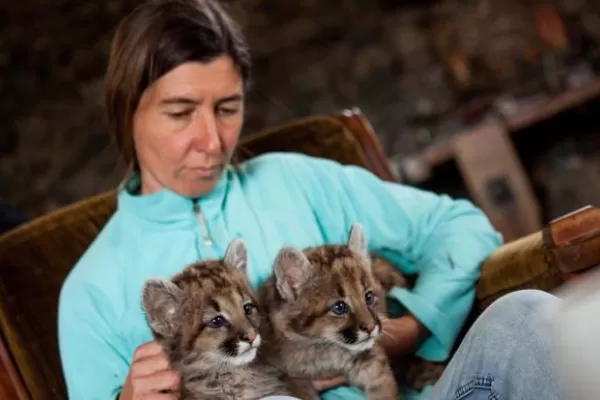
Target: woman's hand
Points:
(150, 376)
(401, 335)
(324, 384)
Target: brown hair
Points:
(156, 37)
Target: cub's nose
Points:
(248, 336)
(368, 327)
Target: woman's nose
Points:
(207, 135)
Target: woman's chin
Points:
(197, 188)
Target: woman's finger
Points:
(158, 382)
(321, 385)
(162, 396)
(149, 366)
(148, 349)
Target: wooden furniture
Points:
(492, 170)
(525, 118)
(564, 249)
(36, 257)
(497, 181)
(11, 386)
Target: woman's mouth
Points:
(205, 172)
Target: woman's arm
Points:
(442, 240)
(403, 335)
(95, 362)
(93, 366)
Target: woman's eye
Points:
(217, 322)
(179, 114)
(226, 111)
(339, 308)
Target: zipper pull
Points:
(207, 239)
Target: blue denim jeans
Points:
(506, 355)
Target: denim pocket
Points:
(480, 387)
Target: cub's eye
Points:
(369, 297)
(249, 308)
(218, 322)
(339, 308)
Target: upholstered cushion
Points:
(315, 136)
(523, 263)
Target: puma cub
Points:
(208, 321)
(323, 307)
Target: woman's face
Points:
(187, 125)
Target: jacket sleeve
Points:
(93, 365)
(442, 240)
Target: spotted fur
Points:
(208, 321)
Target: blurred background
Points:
(492, 100)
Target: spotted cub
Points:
(208, 321)
(324, 307)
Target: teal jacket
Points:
(270, 201)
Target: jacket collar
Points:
(169, 208)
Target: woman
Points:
(175, 97)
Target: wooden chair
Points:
(36, 257)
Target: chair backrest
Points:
(36, 257)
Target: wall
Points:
(408, 67)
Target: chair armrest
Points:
(565, 248)
(11, 387)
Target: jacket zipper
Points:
(207, 239)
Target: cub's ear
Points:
(291, 270)
(358, 240)
(236, 255)
(161, 300)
